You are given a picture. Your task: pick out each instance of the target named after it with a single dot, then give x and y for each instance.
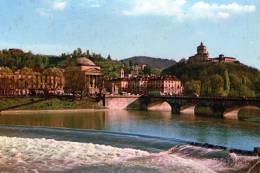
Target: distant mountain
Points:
(150, 61)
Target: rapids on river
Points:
(49, 155)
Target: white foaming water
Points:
(48, 155)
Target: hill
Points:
(217, 79)
(151, 62)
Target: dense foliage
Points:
(217, 79)
(17, 60)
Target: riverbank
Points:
(52, 103)
(12, 112)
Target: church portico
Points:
(85, 77)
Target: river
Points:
(102, 140)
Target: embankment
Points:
(52, 103)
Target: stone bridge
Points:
(209, 106)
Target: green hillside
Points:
(217, 79)
(18, 60)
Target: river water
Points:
(123, 141)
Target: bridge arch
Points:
(168, 105)
(159, 105)
(242, 112)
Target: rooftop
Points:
(83, 61)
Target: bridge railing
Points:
(208, 97)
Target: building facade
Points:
(163, 85)
(223, 58)
(84, 77)
(24, 82)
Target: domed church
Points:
(202, 54)
(88, 67)
(91, 76)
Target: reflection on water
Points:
(90, 120)
(230, 133)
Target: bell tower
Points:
(122, 73)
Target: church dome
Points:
(83, 61)
(201, 46)
(202, 49)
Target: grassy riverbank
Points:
(54, 103)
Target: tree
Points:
(192, 87)
(213, 86)
(87, 54)
(5, 71)
(79, 52)
(74, 81)
(235, 84)
(156, 72)
(130, 63)
(26, 71)
(227, 82)
(147, 70)
(53, 72)
(257, 86)
(108, 57)
(217, 85)
(244, 91)
(113, 74)
(182, 61)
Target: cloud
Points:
(58, 5)
(43, 12)
(182, 10)
(90, 3)
(217, 11)
(156, 7)
(51, 6)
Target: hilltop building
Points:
(202, 55)
(223, 58)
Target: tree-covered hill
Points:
(158, 63)
(217, 79)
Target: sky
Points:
(123, 28)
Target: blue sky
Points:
(160, 28)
